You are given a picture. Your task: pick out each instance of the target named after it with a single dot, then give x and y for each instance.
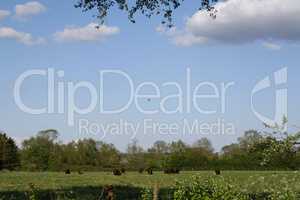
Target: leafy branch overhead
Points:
(148, 8)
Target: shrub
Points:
(208, 189)
(219, 188)
(141, 170)
(33, 192)
(147, 194)
(67, 171)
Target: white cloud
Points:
(166, 31)
(271, 46)
(180, 38)
(29, 9)
(244, 21)
(24, 38)
(160, 29)
(90, 32)
(4, 14)
(188, 40)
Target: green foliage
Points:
(281, 146)
(43, 152)
(9, 155)
(173, 161)
(33, 192)
(220, 188)
(147, 194)
(135, 156)
(176, 158)
(145, 7)
(207, 189)
(253, 151)
(257, 150)
(37, 152)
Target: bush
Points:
(147, 194)
(219, 188)
(141, 170)
(209, 189)
(33, 192)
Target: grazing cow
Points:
(150, 171)
(172, 171)
(117, 172)
(218, 172)
(123, 170)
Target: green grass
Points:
(255, 181)
(19, 181)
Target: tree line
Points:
(252, 151)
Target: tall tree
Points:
(159, 147)
(205, 144)
(135, 156)
(9, 155)
(177, 156)
(108, 155)
(282, 146)
(38, 151)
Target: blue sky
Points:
(61, 39)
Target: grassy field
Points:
(254, 181)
